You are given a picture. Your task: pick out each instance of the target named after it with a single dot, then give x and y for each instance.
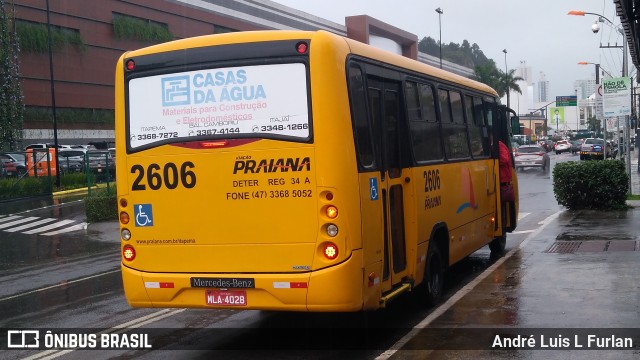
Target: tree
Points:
(488, 74)
(593, 124)
(11, 104)
(508, 82)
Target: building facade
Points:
(92, 35)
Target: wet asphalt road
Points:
(72, 280)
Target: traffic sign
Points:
(566, 100)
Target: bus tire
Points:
(498, 244)
(434, 275)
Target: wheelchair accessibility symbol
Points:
(373, 182)
(143, 214)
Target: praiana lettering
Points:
(272, 165)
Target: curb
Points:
(72, 191)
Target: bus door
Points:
(387, 120)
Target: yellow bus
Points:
(300, 171)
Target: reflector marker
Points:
(158, 285)
(289, 285)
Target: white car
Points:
(562, 146)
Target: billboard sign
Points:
(616, 97)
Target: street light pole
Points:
(595, 28)
(505, 76)
(440, 12)
(53, 100)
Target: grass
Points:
(633, 197)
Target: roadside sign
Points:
(616, 96)
(557, 115)
(566, 100)
(599, 112)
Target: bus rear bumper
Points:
(338, 288)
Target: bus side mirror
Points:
(515, 125)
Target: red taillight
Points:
(128, 252)
(540, 154)
(301, 47)
(130, 65)
(213, 144)
(330, 251)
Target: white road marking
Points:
(461, 293)
(49, 227)
(17, 222)
(76, 227)
(10, 217)
(29, 225)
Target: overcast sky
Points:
(538, 32)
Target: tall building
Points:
(524, 72)
(543, 88)
(585, 88)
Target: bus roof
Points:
(355, 47)
(410, 64)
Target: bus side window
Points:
(423, 122)
(361, 126)
(454, 129)
(478, 132)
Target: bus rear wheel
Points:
(498, 244)
(434, 275)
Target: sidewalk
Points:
(635, 175)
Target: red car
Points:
(9, 167)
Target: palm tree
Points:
(509, 82)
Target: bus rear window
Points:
(234, 102)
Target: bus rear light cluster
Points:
(128, 253)
(124, 220)
(330, 251)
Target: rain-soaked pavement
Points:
(48, 246)
(566, 275)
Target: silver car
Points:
(531, 156)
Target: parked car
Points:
(562, 146)
(13, 164)
(575, 146)
(7, 167)
(71, 160)
(594, 148)
(100, 161)
(531, 156)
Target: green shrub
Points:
(598, 185)
(101, 206)
(71, 181)
(127, 27)
(34, 37)
(13, 188)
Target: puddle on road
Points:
(21, 249)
